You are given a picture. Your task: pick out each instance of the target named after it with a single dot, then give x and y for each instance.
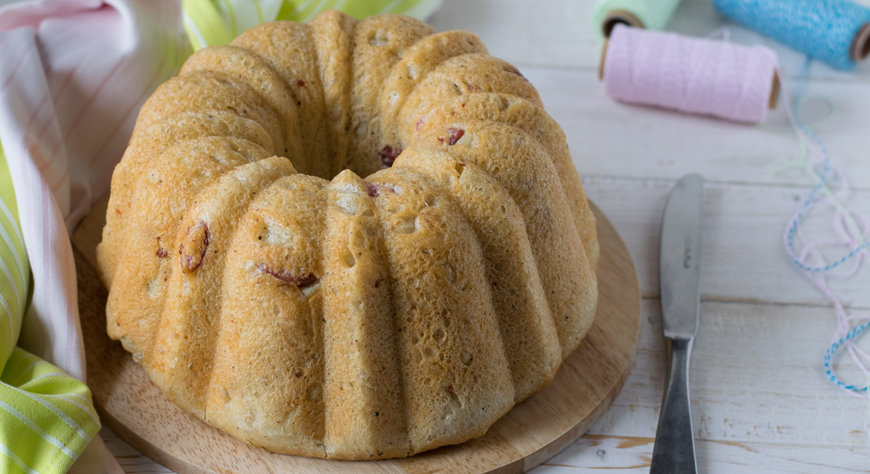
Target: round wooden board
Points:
(532, 432)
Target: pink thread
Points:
(693, 75)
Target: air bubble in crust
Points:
(349, 204)
(154, 286)
(449, 273)
(380, 38)
(315, 393)
(347, 259)
(405, 223)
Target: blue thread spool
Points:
(834, 31)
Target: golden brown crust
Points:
(272, 328)
(466, 74)
(379, 43)
(520, 113)
(416, 63)
(206, 92)
(287, 48)
(528, 332)
(184, 344)
(240, 65)
(147, 147)
(363, 420)
(352, 318)
(522, 166)
(332, 33)
(149, 240)
(455, 377)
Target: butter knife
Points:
(679, 274)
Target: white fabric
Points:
(73, 74)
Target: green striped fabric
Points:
(217, 22)
(46, 417)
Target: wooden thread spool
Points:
(861, 44)
(774, 92)
(616, 17)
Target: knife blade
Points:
(680, 252)
(680, 275)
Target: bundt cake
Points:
(272, 292)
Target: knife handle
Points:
(674, 451)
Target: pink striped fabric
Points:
(73, 74)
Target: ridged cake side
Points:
(274, 293)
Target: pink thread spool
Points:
(693, 75)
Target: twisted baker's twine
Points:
(693, 75)
(823, 29)
(845, 225)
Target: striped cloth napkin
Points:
(40, 405)
(73, 75)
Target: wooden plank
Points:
(743, 256)
(131, 461)
(560, 33)
(632, 455)
(756, 376)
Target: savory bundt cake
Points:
(274, 293)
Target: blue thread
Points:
(812, 196)
(856, 331)
(822, 29)
(830, 354)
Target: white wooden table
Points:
(760, 400)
